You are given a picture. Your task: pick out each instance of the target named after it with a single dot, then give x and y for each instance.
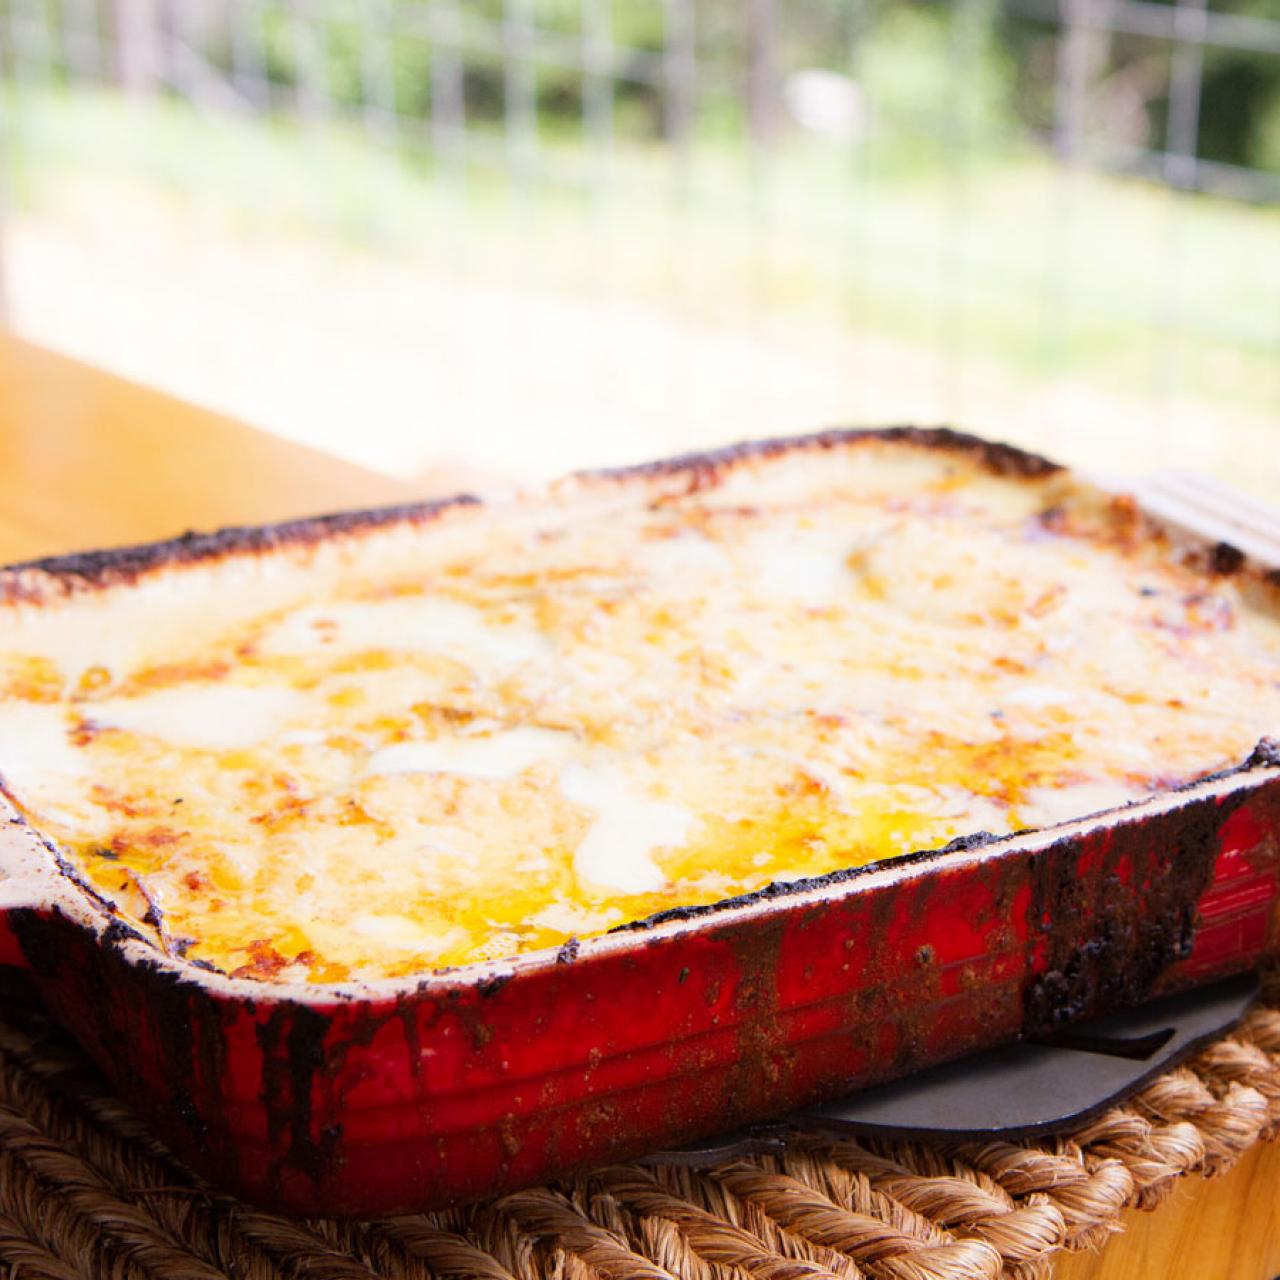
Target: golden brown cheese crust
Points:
(548, 722)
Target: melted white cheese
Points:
(217, 716)
(34, 741)
(1036, 697)
(679, 558)
(413, 625)
(617, 851)
(806, 565)
(496, 755)
(399, 931)
(1046, 806)
(38, 761)
(564, 918)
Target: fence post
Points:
(678, 71)
(1186, 80)
(762, 70)
(135, 25)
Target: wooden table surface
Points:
(89, 460)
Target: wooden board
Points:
(89, 460)
(1225, 1229)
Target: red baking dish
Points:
(403, 1095)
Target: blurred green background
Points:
(493, 240)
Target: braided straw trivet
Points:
(86, 1192)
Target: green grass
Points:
(1051, 275)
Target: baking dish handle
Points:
(27, 883)
(13, 897)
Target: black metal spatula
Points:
(1022, 1090)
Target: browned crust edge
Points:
(84, 571)
(36, 581)
(998, 458)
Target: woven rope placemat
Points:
(85, 1192)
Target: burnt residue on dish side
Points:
(1136, 928)
(883, 996)
(760, 1036)
(292, 1043)
(993, 1000)
(83, 976)
(407, 1011)
(277, 1089)
(492, 983)
(186, 1018)
(188, 1021)
(305, 1043)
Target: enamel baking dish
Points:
(413, 1094)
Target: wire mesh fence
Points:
(434, 67)
(1068, 188)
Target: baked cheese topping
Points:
(547, 727)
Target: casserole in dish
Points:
(405, 856)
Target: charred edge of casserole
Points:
(1265, 755)
(90, 570)
(1225, 560)
(1221, 559)
(705, 468)
(27, 582)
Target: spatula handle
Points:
(1215, 510)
